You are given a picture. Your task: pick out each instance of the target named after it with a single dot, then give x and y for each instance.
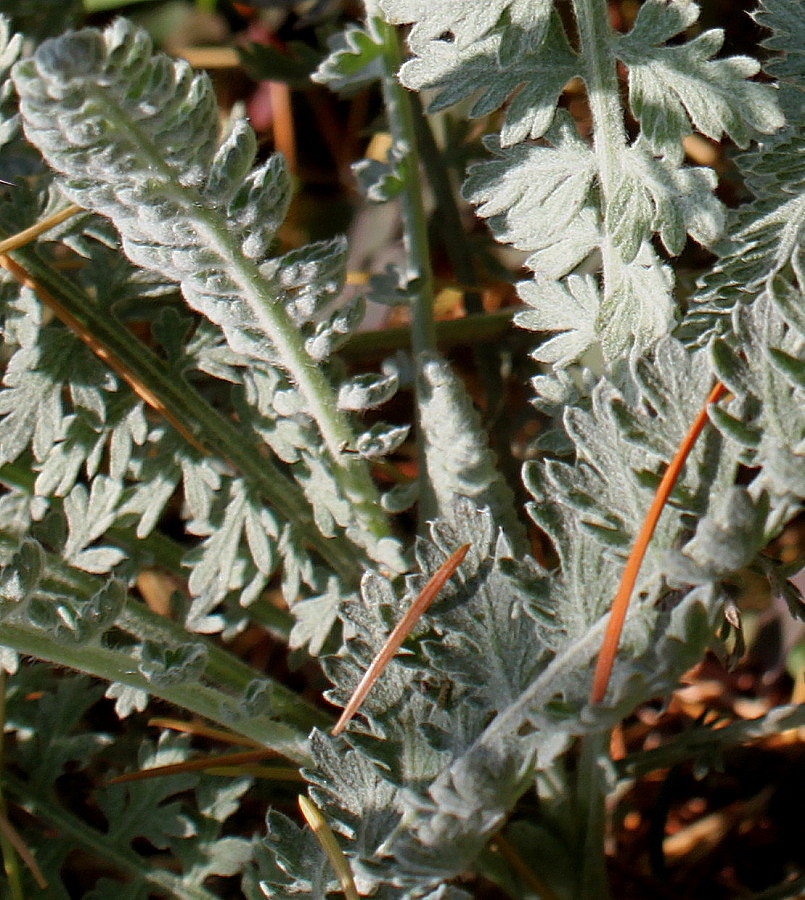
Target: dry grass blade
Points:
(99, 349)
(199, 730)
(267, 773)
(30, 234)
(227, 760)
(325, 837)
(399, 634)
(617, 616)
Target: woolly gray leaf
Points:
(458, 458)
(20, 578)
(569, 312)
(381, 440)
(522, 57)
(367, 391)
(134, 137)
(654, 195)
(355, 59)
(378, 181)
(75, 620)
(168, 666)
(315, 617)
(731, 535)
(673, 89)
(549, 184)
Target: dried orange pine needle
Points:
(617, 616)
(399, 634)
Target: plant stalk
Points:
(115, 665)
(592, 881)
(400, 112)
(609, 135)
(487, 355)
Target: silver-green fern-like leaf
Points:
(185, 207)
(674, 89)
(765, 236)
(60, 403)
(134, 136)
(771, 370)
(508, 50)
(495, 683)
(567, 202)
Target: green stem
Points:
(11, 863)
(601, 77)
(117, 665)
(451, 230)
(225, 670)
(102, 847)
(603, 95)
(292, 718)
(399, 110)
(592, 881)
(487, 355)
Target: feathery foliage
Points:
(232, 449)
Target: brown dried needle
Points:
(399, 634)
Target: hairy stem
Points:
(591, 816)
(486, 355)
(609, 135)
(115, 665)
(223, 669)
(400, 112)
(399, 109)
